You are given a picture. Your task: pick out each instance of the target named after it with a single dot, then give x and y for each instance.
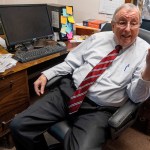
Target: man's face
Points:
(126, 26)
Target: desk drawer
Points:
(14, 97)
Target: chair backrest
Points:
(144, 34)
(106, 27)
(145, 24)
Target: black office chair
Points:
(106, 27)
(120, 120)
(124, 117)
(145, 24)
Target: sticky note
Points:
(64, 12)
(71, 19)
(63, 29)
(69, 10)
(70, 35)
(69, 28)
(63, 20)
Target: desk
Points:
(14, 85)
(84, 30)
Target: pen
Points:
(126, 67)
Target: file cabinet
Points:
(14, 98)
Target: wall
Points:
(26, 1)
(85, 9)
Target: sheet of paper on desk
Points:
(2, 42)
(6, 62)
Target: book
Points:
(85, 22)
(93, 23)
(96, 23)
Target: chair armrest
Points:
(59, 130)
(123, 115)
(53, 81)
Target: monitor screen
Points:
(25, 23)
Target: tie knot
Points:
(118, 47)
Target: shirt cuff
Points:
(49, 75)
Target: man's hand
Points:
(146, 72)
(39, 85)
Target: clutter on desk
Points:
(78, 38)
(6, 62)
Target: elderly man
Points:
(120, 74)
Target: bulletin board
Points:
(109, 6)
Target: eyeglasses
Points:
(124, 24)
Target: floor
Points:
(130, 139)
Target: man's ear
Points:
(112, 25)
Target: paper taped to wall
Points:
(109, 6)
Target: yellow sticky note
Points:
(69, 10)
(71, 19)
(63, 20)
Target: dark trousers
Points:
(89, 124)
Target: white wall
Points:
(83, 9)
(27, 1)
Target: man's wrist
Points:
(44, 76)
(146, 74)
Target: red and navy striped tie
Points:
(78, 96)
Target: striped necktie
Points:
(80, 93)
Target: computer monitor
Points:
(25, 23)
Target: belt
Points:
(90, 106)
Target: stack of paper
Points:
(6, 62)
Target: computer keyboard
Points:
(25, 56)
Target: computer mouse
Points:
(61, 43)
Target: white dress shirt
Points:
(120, 81)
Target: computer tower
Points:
(55, 13)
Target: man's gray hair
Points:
(129, 6)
